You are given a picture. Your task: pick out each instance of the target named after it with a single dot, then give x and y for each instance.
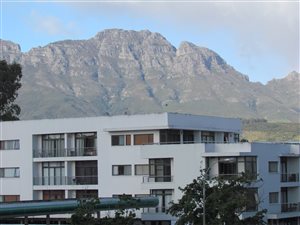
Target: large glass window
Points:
(169, 136)
(228, 166)
(10, 145)
(53, 145)
(53, 173)
(164, 197)
(85, 144)
(10, 172)
(160, 170)
(143, 139)
(188, 136)
(86, 172)
(121, 170)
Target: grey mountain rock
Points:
(128, 72)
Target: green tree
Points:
(225, 200)
(10, 77)
(83, 215)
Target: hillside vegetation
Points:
(261, 130)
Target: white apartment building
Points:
(142, 155)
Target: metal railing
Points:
(150, 179)
(290, 207)
(64, 180)
(156, 210)
(68, 152)
(289, 177)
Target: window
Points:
(207, 137)
(121, 170)
(53, 173)
(160, 170)
(53, 145)
(252, 197)
(143, 139)
(85, 144)
(273, 166)
(169, 136)
(119, 140)
(228, 166)
(250, 166)
(9, 198)
(236, 137)
(10, 145)
(142, 169)
(188, 136)
(86, 194)
(53, 194)
(164, 197)
(9, 172)
(273, 197)
(86, 172)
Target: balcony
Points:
(69, 152)
(64, 180)
(150, 179)
(289, 177)
(290, 207)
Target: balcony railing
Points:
(289, 177)
(69, 152)
(156, 209)
(290, 207)
(150, 179)
(64, 180)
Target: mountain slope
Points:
(120, 71)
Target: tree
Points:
(84, 213)
(10, 77)
(225, 201)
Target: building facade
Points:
(142, 155)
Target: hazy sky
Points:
(258, 38)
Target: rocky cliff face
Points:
(120, 71)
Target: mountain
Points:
(128, 72)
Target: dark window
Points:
(169, 136)
(188, 136)
(86, 172)
(252, 198)
(160, 170)
(228, 166)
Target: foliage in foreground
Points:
(84, 214)
(225, 200)
(10, 82)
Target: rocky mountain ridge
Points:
(129, 72)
